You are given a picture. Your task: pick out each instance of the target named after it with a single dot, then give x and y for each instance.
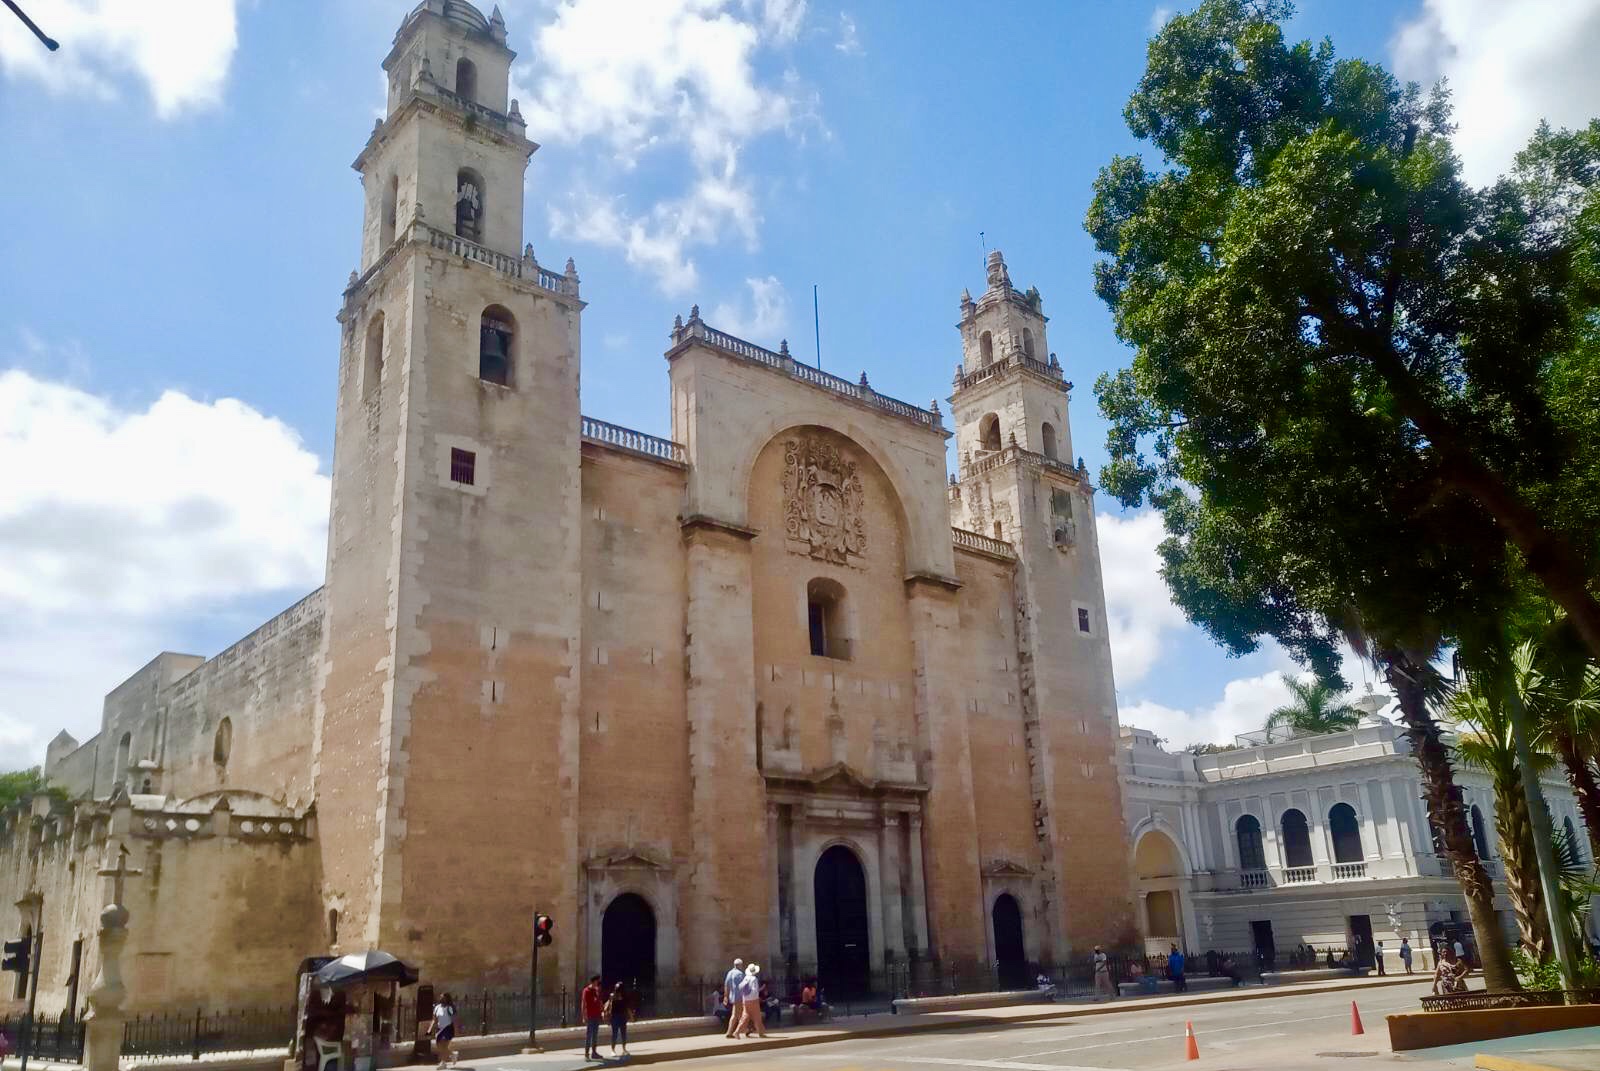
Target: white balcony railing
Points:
(1255, 879)
(1299, 875)
(1349, 871)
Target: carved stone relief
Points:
(822, 502)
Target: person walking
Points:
(617, 1011)
(1450, 976)
(1377, 959)
(1175, 965)
(593, 1000)
(1102, 974)
(443, 1029)
(731, 984)
(1405, 953)
(750, 993)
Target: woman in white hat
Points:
(750, 995)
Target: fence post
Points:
(564, 1004)
(198, 1012)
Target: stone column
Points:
(919, 891)
(894, 930)
(728, 868)
(774, 914)
(103, 1025)
(803, 875)
(1371, 846)
(1399, 825)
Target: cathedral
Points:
(779, 686)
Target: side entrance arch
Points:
(1010, 959)
(628, 944)
(844, 946)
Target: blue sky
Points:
(181, 217)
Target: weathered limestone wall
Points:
(223, 910)
(633, 828)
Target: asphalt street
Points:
(1289, 1032)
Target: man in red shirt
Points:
(594, 1005)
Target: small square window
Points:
(1083, 620)
(463, 466)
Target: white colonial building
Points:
(1316, 840)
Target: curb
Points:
(1489, 1062)
(919, 1024)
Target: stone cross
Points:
(103, 1031)
(117, 874)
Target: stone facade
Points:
(1233, 847)
(780, 686)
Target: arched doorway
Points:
(1010, 959)
(628, 944)
(844, 951)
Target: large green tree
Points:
(1308, 234)
(1339, 398)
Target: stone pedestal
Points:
(103, 1025)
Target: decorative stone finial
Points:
(1055, 363)
(952, 479)
(783, 347)
(527, 252)
(1013, 436)
(864, 382)
(572, 269)
(933, 407)
(999, 278)
(1081, 466)
(516, 112)
(353, 277)
(497, 25)
(677, 324)
(377, 125)
(694, 313)
(966, 296)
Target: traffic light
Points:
(542, 925)
(17, 953)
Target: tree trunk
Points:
(1515, 830)
(1584, 786)
(1449, 817)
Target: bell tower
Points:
(449, 673)
(1017, 484)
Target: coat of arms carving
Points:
(822, 501)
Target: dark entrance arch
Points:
(1010, 960)
(628, 944)
(844, 951)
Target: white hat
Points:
(737, 962)
(754, 968)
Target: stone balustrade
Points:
(1349, 871)
(997, 548)
(637, 442)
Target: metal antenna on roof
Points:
(48, 42)
(816, 324)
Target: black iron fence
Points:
(195, 1033)
(54, 1037)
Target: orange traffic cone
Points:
(1355, 1020)
(1191, 1049)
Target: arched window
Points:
(469, 205)
(466, 79)
(372, 364)
(1251, 854)
(1027, 342)
(989, 432)
(826, 620)
(391, 199)
(222, 743)
(1296, 839)
(497, 337)
(1480, 838)
(1346, 833)
(1047, 436)
(986, 349)
(124, 757)
(1572, 837)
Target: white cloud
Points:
(179, 49)
(1159, 18)
(116, 522)
(670, 76)
(1510, 63)
(1139, 609)
(849, 41)
(763, 319)
(1243, 708)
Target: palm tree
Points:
(1568, 722)
(1490, 746)
(1315, 708)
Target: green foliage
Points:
(1546, 976)
(22, 784)
(1314, 709)
(1345, 357)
